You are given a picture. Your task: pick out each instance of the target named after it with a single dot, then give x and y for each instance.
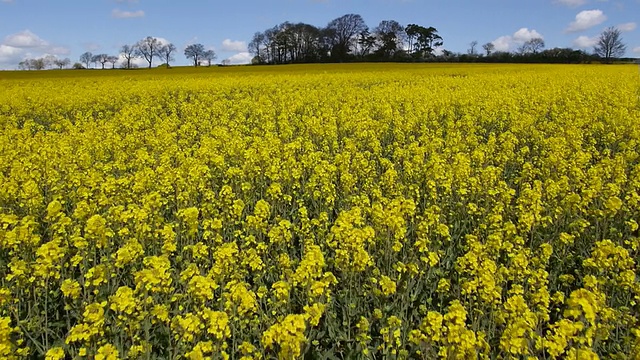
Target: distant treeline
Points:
(349, 39)
(555, 55)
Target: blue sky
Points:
(67, 28)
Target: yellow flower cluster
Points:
(410, 211)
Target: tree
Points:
(166, 51)
(342, 31)
(610, 45)
(488, 48)
(128, 52)
(49, 61)
(532, 46)
(304, 43)
(288, 43)
(564, 55)
(472, 48)
(194, 52)
(209, 56)
(148, 48)
(391, 37)
(113, 60)
(95, 60)
(62, 63)
(366, 42)
(536, 45)
(100, 58)
(447, 54)
(255, 47)
(423, 41)
(26, 64)
(86, 59)
(38, 64)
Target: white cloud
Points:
(524, 35)
(626, 27)
(572, 3)
(636, 50)
(585, 42)
(587, 19)
(236, 46)
(24, 39)
(241, 58)
(503, 43)
(122, 14)
(509, 42)
(10, 54)
(26, 44)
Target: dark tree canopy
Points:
(391, 37)
(346, 38)
(423, 41)
(194, 52)
(341, 32)
(488, 48)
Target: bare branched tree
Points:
(101, 58)
(166, 52)
(472, 48)
(113, 60)
(610, 45)
(209, 56)
(532, 46)
(62, 63)
(148, 48)
(86, 59)
(255, 47)
(128, 53)
(342, 32)
(488, 48)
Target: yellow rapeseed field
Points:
(324, 211)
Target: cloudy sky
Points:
(67, 28)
